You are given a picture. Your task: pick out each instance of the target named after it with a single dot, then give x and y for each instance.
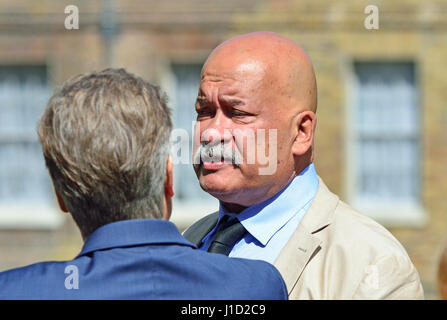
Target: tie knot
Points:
(228, 233)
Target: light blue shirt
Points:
(271, 223)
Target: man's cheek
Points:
(259, 147)
(267, 151)
(245, 144)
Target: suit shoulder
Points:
(39, 268)
(32, 281)
(252, 279)
(356, 225)
(263, 276)
(366, 253)
(360, 231)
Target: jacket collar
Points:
(305, 242)
(134, 232)
(321, 211)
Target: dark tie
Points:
(227, 234)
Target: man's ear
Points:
(168, 189)
(306, 124)
(60, 201)
(169, 181)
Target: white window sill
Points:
(35, 217)
(43, 217)
(393, 214)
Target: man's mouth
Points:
(214, 165)
(215, 157)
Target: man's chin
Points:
(218, 189)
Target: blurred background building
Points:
(382, 114)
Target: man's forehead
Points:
(231, 75)
(223, 88)
(234, 63)
(251, 67)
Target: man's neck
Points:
(237, 208)
(233, 207)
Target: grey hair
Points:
(105, 140)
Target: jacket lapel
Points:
(201, 228)
(299, 250)
(305, 242)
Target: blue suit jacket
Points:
(143, 259)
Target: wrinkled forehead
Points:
(233, 74)
(229, 67)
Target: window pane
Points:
(23, 96)
(187, 81)
(387, 98)
(387, 131)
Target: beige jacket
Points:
(337, 253)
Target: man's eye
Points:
(203, 112)
(201, 102)
(237, 113)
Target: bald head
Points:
(280, 64)
(258, 92)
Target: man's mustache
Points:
(216, 152)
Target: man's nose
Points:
(217, 130)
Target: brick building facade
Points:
(400, 66)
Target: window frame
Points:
(389, 213)
(33, 215)
(184, 211)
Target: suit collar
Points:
(305, 242)
(321, 211)
(134, 232)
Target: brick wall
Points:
(152, 34)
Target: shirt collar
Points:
(266, 218)
(133, 232)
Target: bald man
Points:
(258, 97)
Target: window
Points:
(190, 201)
(386, 135)
(26, 196)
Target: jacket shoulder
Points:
(375, 261)
(238, 278)
(35, 281)
(359, 231)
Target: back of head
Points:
(105, 139)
